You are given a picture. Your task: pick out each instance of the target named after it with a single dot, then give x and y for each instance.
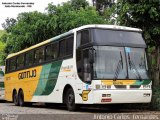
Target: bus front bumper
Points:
(121, 96)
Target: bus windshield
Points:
(114, 63)
(136, 60)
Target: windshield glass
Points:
(136, 60)
(109, 63)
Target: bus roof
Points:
(113, 27)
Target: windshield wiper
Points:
(133, 66)
(119, 67)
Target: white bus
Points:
(92, 64)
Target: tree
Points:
(30, 28)
(101, 5)
(2, 47)
(34, 27)
(143, 14)
(8, 24)
(77, 4)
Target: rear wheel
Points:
(15, 98)
(70, 100)
(21, 98)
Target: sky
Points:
(12, 12)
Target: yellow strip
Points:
(118, 82)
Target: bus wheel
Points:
(15, 98)
(21, 98)
(70, 100)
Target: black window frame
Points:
(43, 59)
(12, 62)
(17, 61)
(53, 45)
(26, 65)
(89, 36)
(65, 39)
(30, 51)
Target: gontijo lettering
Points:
(27, 74)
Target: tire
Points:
(15, 98)
(70, 100)
(21, 98)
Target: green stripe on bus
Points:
(144, 82)
(48, 78)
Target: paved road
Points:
(9, 111)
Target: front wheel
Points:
(70, 100)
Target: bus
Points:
(2, 69)
(91, 64)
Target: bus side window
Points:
(29, 58)
(39, 55)
(84, 37)
(62, 48)
(7, 66)
(69, 45)
(12, 64)
(55, 50)
(51, 51)
(20, 61)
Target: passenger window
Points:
(62, 48)
(29, 58)
(39, 56)
(55, 50)
(49, 52)
(20, 61)
(7, 66)
(13, 64)
(69, 45)
(52, 51)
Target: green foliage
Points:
(34, 27)
(31, 28)
(143, 14)
(2, 47)
(77, 4)
(2, 32)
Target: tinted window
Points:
(12, 64)
(52, 51)
(20, 61)
(7, 65)
(39, 56)
(117, 38)
(62, 48)
(29, 58)
(84, 37)
(69, 45)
